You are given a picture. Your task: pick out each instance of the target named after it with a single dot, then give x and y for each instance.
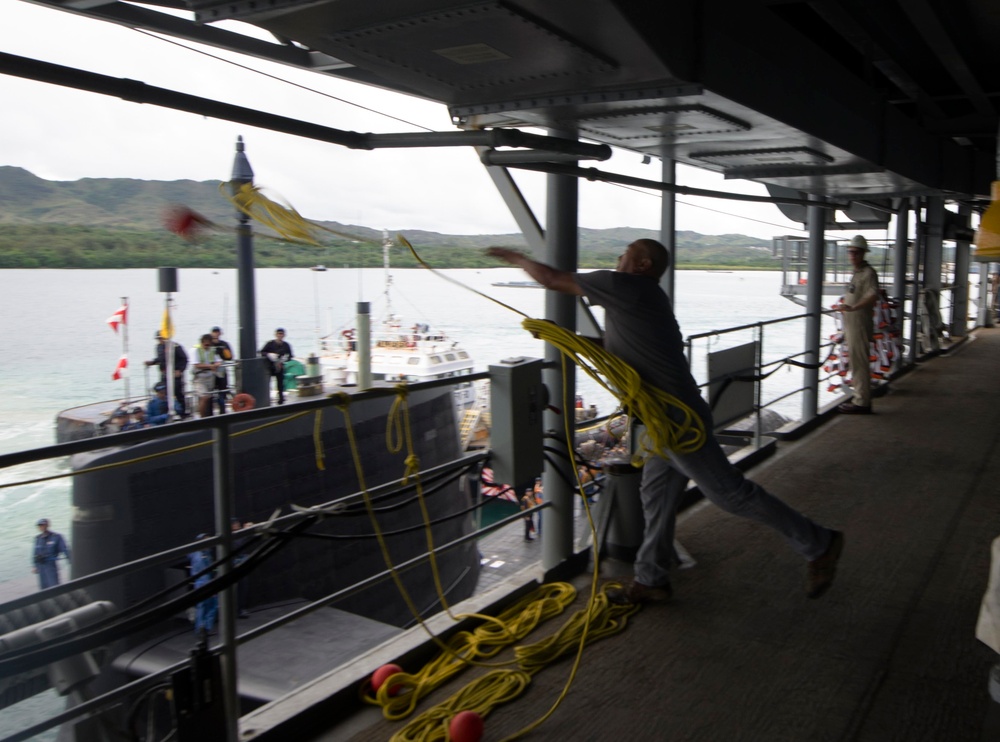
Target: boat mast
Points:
(386, 244)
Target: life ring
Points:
(243, 401)
(349, 334)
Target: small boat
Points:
(318, 268)
(518, 284)
(399, 352)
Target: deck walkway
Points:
(740, 654)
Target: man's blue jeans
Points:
(663, 484)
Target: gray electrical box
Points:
(517, 400)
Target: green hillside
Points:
(117, 223)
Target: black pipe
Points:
(140, 92)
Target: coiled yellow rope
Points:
(599, 619)
(640, 399)
(510, 626)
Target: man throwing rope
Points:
(641, 330)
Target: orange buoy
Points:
(384, 673)
(243, 401)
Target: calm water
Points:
(61, 353)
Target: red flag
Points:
(122, 364)
(118, 317)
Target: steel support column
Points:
(816, 216)
(959, 324)
(561, 251)
(917, 291)
(984, 316)
(901, 251)
(224, 498)
(933, 265)
(668, 227)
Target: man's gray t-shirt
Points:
(640, 328)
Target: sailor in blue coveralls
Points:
(49, 546)
(207, 610)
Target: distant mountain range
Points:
(118, 206)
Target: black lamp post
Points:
(253, 370)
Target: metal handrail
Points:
(760, 365)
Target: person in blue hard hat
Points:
(158, 409)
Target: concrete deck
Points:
(740, 654)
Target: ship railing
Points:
(770, 391)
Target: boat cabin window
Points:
(449, 356)
(435, 360)
(413, 361)
(463, 355)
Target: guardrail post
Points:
(224, 492)
(959, 325)
(814, 306)
(900, 259)
(758, 428)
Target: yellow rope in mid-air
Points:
(281, 218)
(642, 400)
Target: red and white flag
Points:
(118, 318)
(122, 365)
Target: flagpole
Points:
(128, 388)
(168, 357)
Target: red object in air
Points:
(384, 673)
(466, 726)
(184, 221)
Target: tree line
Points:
(65, 246)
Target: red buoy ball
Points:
(465, 726)
(384, 673)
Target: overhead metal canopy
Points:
(847, 99)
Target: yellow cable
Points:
(318, 441)
(648, 403)
(489, 638)
(343, 404)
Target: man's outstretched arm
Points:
(549, 277)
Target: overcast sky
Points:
(63, 134)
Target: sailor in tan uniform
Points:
(857, 310)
